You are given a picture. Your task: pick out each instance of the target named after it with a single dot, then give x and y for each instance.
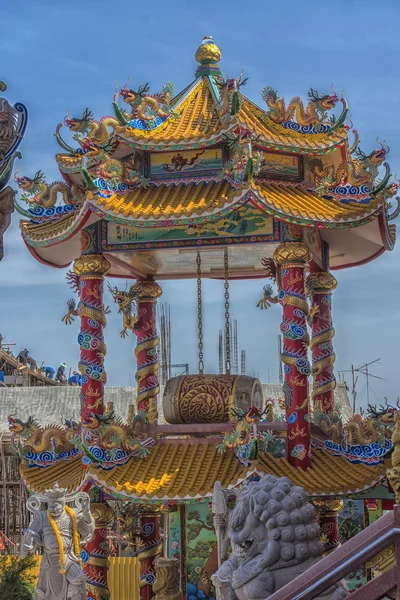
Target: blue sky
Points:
(59, 55)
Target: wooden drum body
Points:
(209, 398)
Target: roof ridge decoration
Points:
(355, 176)
(312, 119)
(208, 55)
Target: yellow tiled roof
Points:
(295, 200)
(181, 470)
(255, 118)
(69, 474)
(170, 201)
(199, 118)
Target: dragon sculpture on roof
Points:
(37, 192)
(315, 113)
(110, 432)
(375, 427)
(38, 439)
(359, 171)
(149, 108)
(92, 136)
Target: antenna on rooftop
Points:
(362, 370)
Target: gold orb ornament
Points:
(208, 51)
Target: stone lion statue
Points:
(274, 538)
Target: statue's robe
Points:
(53, 585)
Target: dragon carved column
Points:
(146, 294)
(321, 284)
(95, 554)
(291, 259)
(150, 550)
(90, 269)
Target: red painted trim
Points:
(37, 257)
(34, 253)
(384, 231)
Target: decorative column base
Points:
(328, 514)
(166, 584)
(96, 552)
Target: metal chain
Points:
(227, 332)
(199, 315)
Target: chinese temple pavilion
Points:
(207, 183)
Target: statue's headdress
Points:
(55, 494)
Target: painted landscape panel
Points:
(188, 163)
(284, 166)
(246, 221)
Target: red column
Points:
(147, 365)
(95, 554)
(292, 258)
(91, 269)
(321, 284)
(149, 551)
(328, 513)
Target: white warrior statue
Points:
(61, 531)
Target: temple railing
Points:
(381, 535)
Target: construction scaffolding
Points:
(164, 345)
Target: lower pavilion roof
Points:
(178, 470)
(201, 206)
(177, 200)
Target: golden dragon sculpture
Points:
(39, 193)
(112, 433)
(359, 171)
(375, 427)
(39, 439)
(92, 136)
(314, 114)
(124, 300)
(143, 105)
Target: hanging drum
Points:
(209, 398)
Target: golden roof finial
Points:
(3, 86)
(208, 51)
